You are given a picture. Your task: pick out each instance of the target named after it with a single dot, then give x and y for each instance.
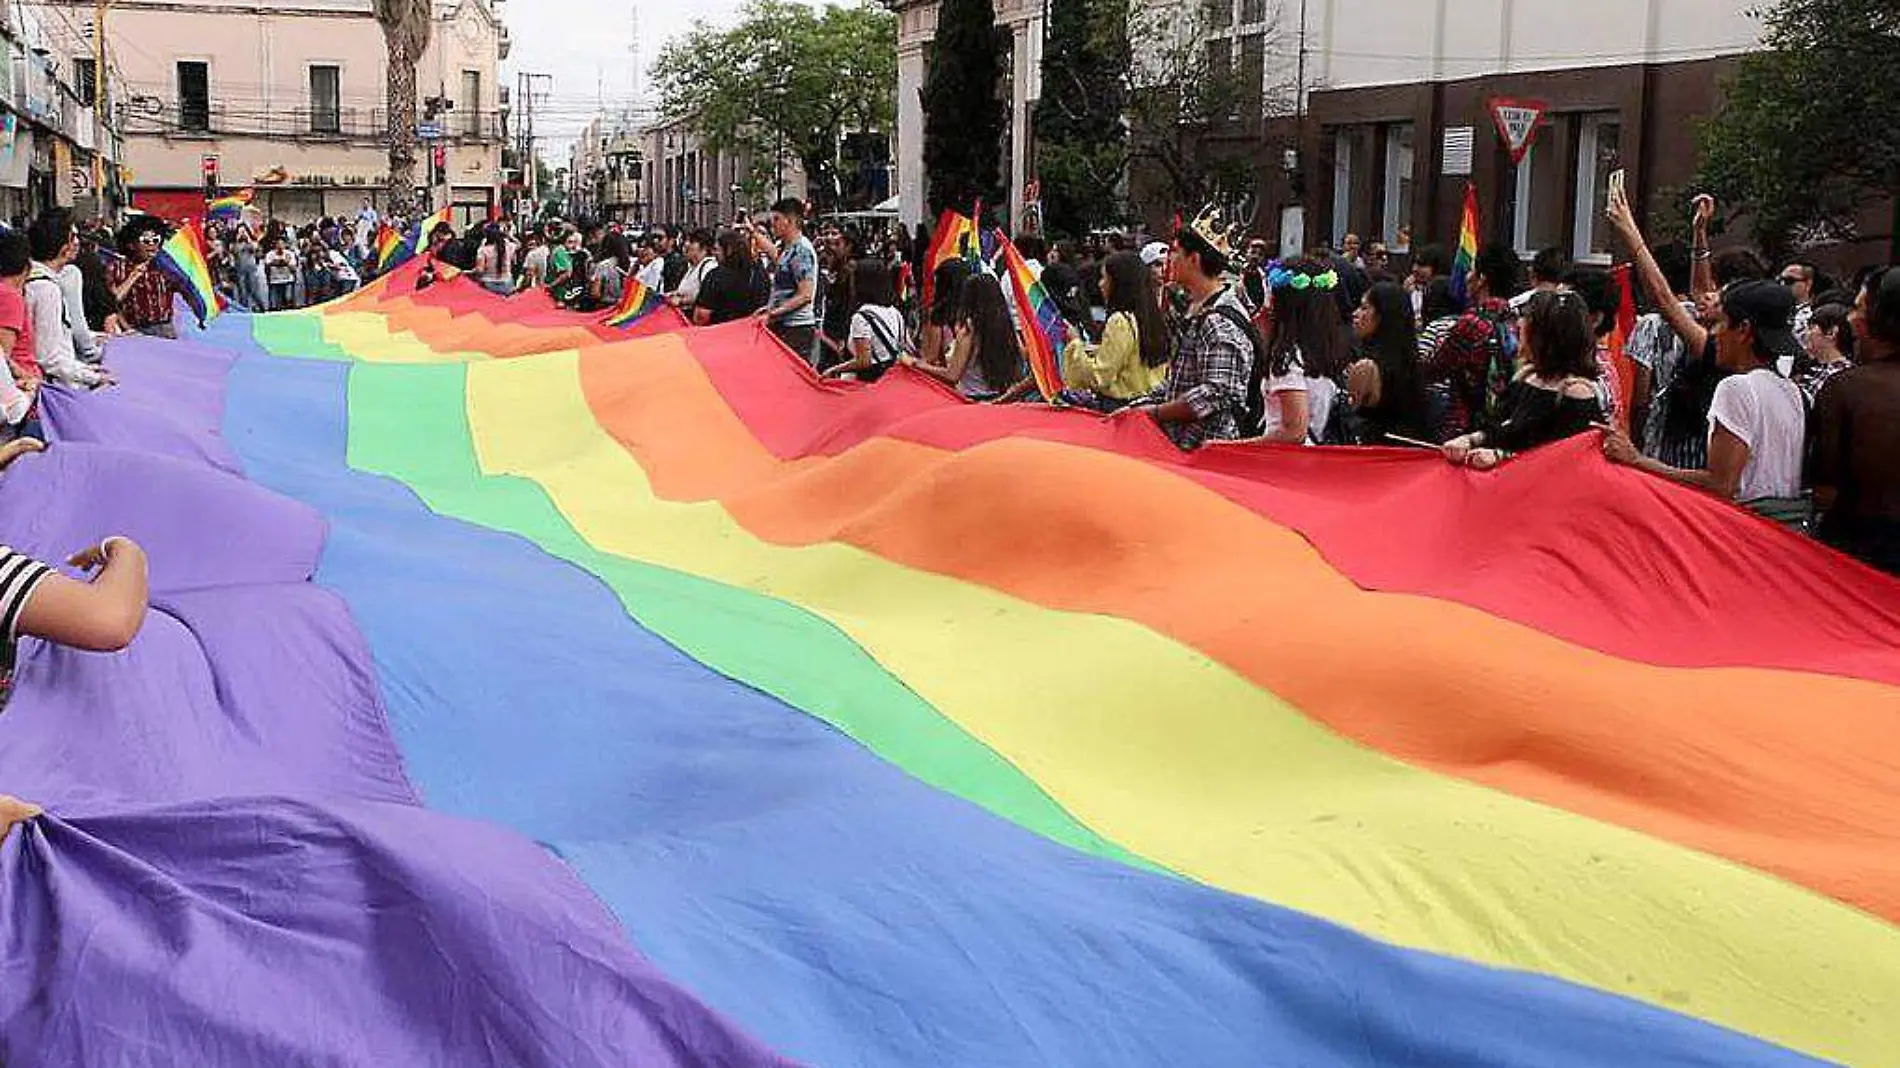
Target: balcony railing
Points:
(344, 124)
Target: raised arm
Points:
(1702, 266)
(1623, 219)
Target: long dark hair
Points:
(1131, 289)
(614, 247)
(735, 253)
(1306, 326)
(946, 291)
(871, 284)
(997, 354)
(1558, 341)
(1393, 348)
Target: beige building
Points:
(693, 185)
(289, 98)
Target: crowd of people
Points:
(1777, 390)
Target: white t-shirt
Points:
(890, 320)
(695, 277)
(1321, 394)
(1765, 410)
(653, 275)
(1275, 389)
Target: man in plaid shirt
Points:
(1205, 395)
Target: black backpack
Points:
(1256, 417)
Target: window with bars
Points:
(471, 105)
(86, 78)
(194, 96)
(326, 111)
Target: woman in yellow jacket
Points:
(1132, 360)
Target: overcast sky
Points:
(585, 45)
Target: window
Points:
(1599, 153)
(1220, 13)
(194, 96)
(471, 105)
(1399, 162)
(1542, 192)
(1353, 178)
(1253, 72)
(86, 79)
(1220, 62)
(326, 113)
(1253, 12)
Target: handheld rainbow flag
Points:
(1467, 256)
(1043, 330)
(636, 303)
(391, 251)
(952, 241)
(418, 235)
(229, 207)
(183, 257)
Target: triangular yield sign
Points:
(1517, 124)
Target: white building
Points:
(1386, 82)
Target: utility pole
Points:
(99, 104)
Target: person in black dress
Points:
(1554, 395)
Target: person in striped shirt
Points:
(101, 615)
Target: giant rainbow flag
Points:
(522, 691)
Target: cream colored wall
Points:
(260, 55)
(1392, 42)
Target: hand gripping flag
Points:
(183, 258)
(1043, 330)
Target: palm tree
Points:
(406, 26)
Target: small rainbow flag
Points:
(390, 248)
(418, 236)
(636, 303)
(393, 249)
(956, 235)
(1043, 330)
(229, 207)
(183, 257)
(1467, 256)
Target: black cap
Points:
(1769, 308)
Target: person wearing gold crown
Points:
(1204, 397)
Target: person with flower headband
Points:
(1290, 398)
(1204, 397)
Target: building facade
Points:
(290, 99)
(1399, 116)
(56, 148)
(1373, 114)
(1022, 22)
(693, 184)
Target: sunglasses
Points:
(1792, 279)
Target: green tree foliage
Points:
(787, 82)
(963, 110)
(1808, 136)
(1081, 138)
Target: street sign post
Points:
(1518, 122)
(429, 131)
